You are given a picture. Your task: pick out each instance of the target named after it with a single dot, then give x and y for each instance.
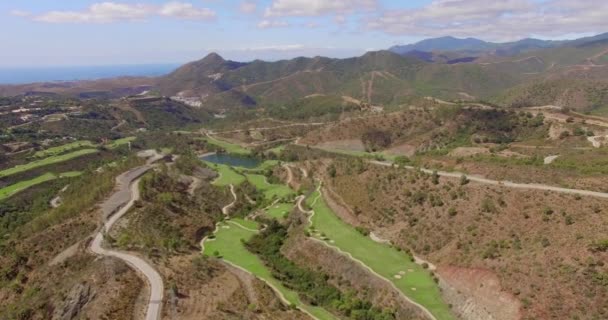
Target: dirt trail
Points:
(289, 174)
(508, 184)
(226, 208)
(270, 128)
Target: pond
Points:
(232, 160)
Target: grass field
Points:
(13, 189)
(227, 175)
(46, 161)
(414, 281)
(279, 210)
(63, 148)
(119, 142)
(229, 147)
(229, 246)
(270, 190)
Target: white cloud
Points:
(20, 13)
(495, 20)
(248, 6)
(266, 24)
(281, 8)
(184, 10)
(106, 12)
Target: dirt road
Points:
(508, 184)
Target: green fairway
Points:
(229, 147)
(227, 175)
(119, 142)
(229, 246)
(270, 190)
(279, 210)
(411, 279)
(46, 161)
(13, 189)
(61, 149)
(277, 150)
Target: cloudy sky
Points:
(89, 32)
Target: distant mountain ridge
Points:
(476, 47)
(387, 78)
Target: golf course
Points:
(13, 189)
(228, 246)
(46, 161)
(415, 282)
(271, 191)
(410, 278)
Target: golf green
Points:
(227, 175)
(279, 210)
(270, 190)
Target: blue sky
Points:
(99, 32)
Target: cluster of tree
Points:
(375, 140)
(313, 287)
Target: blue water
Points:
(19, 75)
(232, 160)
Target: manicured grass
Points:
(13, 189)
(46, 161)
(279, 210)
(278, 149)
(63, 148)
(227, 175)
(415, 282)
(229, 147)
(270, 190)
(119, 142)
(228, 244)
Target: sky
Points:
(98, 32)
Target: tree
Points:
(464, 180)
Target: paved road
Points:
(113, 209)
(508, 184)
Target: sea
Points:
(21, 75)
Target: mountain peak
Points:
(213, 58)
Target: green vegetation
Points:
(279, 210)
(270, 190)
(119, 142)
(63, 148)
(8, 191)
(34, 215)
(412, 280)
(227, 175)
(227, 146)
(228, 245)
(46, 161)
(313, 287)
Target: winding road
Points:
(508, 184)
(114, 208)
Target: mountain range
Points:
(477, 47)
(387, 78)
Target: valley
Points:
(466, 182)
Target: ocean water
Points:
(19, 75)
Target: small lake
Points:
(232, 160)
